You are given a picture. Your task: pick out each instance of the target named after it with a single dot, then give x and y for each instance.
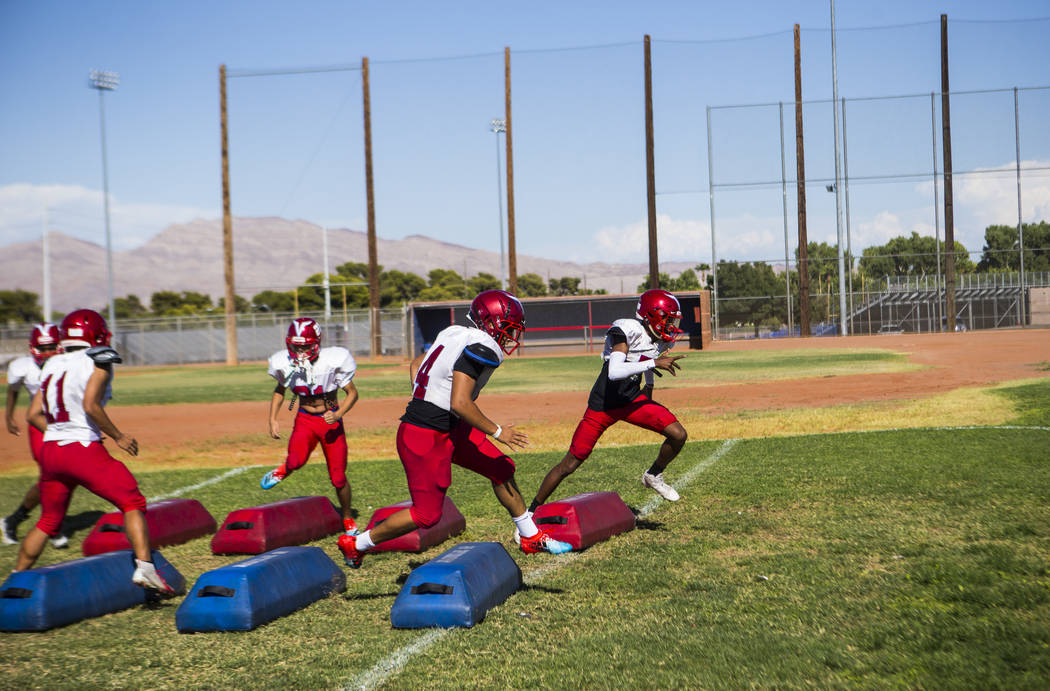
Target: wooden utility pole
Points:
(650, 168)
(227, 228)
(803, 247)
(949, 212)
(373, 261)
(512, 254)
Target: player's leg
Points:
(652, 416)
(105, 476)
(588, 431)
(55, 496)
(9, 524)
(476, 453)
(426, 457)
(301, 443)
(333, 445)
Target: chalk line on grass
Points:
(392, 664)
(211, 481)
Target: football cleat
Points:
(542, 542)
(271, 478)
(7, 532)
(60, 542)
(146, 576)
(657, 484)
(351, 555)
(350, 527)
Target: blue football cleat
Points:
(271, 478)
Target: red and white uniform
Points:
(24, 372)
(431, 437)
(73, 453)
(617, 392)
(333, 369)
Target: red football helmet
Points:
(303, 331)
(661, 313)
(500, 315)
(43, 342)
(84, 328)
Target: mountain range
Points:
(269, 254)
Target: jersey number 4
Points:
(60, 414)
(423, 375)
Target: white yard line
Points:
(211, 481)
(392, 664)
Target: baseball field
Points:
(858, 512)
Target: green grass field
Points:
(249, 382)
(897, 558)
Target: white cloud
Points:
(78, 211)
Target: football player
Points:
(634, 348)
(24, 372)
(315, 375)
(443, 425)
(69, 409)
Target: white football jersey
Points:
(333, 369)
(640, 345)
(433, 382)
(63, 383)
(25, 372)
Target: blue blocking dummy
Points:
(250, 593)
(456, 588)
(50, 596)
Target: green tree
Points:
(240, 305)
(273, 301)
(170, 303)
(687, 281)
(531, 286)
(129, 307)
(911, 256)
(399, 287)
(20, 306)
(443, 285)
(481, 282)
(1000, 251)
(566, 285)
(749, 294)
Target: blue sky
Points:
(437, 80)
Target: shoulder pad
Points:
(103, 355)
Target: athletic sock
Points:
(535, 505)
(19, 515)
(364, 541)
(526, 526)
(654, 470)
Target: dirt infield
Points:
(950, 361)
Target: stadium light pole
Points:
(499, 125)
(104, 81)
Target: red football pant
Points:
(62, 468)
(311, 430)
(428, 455)
(36, 443)
(642, 411)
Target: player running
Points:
(443, 425)
(24, 372)
(315, 375)
(633, 348)
(69, 410)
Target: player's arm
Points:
(35, 415)
(333, 416)
(12, 399)
(93, 392)
(276, 400)
(463, 406)
(413, 366)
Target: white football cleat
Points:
(657, 484)
(146, 576)
(7, 533)
(60, 541)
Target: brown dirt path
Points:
(951, 361)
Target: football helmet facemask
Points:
(43, 342)
(661, 312)
(500, 315)
(303, 339)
